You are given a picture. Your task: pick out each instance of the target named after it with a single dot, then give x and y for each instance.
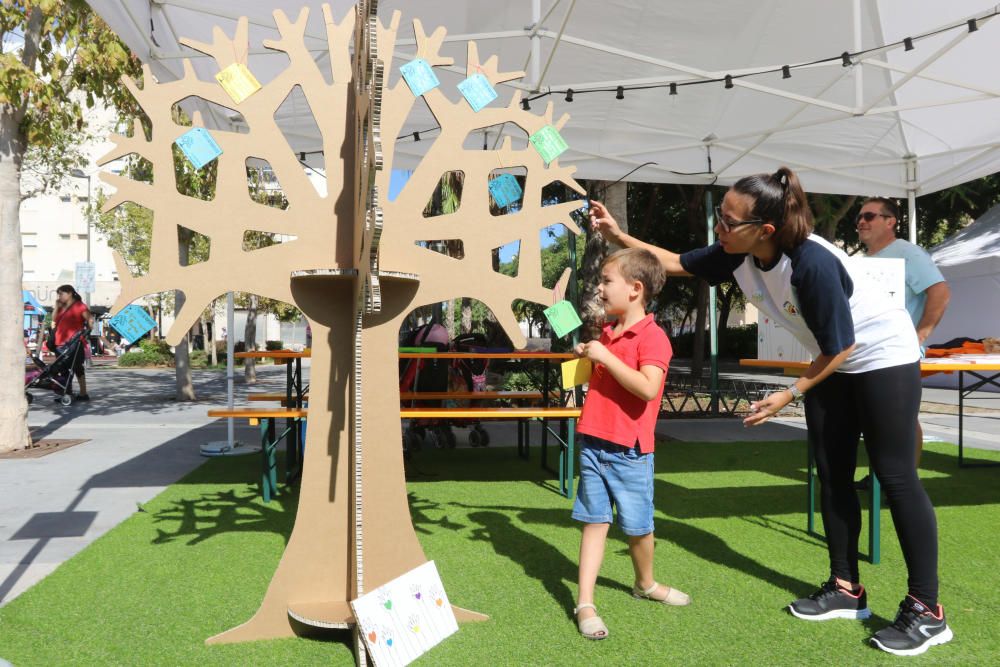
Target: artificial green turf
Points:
(730, 531)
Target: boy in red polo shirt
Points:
(616, 427)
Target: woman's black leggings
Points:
(883, 405)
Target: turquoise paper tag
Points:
(477, 91)
(419, 76)
(505, 190)
(198, 146)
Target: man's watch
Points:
(795, 392)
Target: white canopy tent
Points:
(970, 262)
(896, 121)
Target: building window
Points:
(29, 240)
(82, 237)
(64, 237)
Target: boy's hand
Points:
(769, 406)
(593, 350)
(601, 221)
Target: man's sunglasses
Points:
(868, 216)
(728, 223)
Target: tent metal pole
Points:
(911, 209)
(536, 45)
(859, 81)
(230, 364)
(713, 333)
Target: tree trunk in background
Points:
(13, 407)
(182, 358)
(214, 358)
(614, 197)
(466, 315)
(698, 349)
(250, 341)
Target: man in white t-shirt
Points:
(927, 293)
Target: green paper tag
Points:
(549, 143)
(562, 318)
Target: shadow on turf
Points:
(546, 563)
(539, 559)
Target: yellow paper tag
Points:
(576, 372)
(238, 81)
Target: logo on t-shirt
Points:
(790, 309)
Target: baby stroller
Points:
(58, 375)
(472, 373)
(426, 375)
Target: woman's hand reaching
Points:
(602, 221)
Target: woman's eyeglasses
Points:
(868, 216)
(727, 224)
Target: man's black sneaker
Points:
(832, 601)
(915, 629)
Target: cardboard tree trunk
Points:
(354, 266)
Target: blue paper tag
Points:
(477, 91)
(198, 146)
(505, 190)
(132, 322)
(420, 76)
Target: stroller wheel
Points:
(412, 441)
(28, 397)
(447, 437)
(484, 436)
(66, 399)
(475, 439)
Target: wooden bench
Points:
(567, 443)
(269, 439)
(266, 418)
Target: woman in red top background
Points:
(70, 315)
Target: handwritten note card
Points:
(406, 617)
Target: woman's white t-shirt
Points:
(821, 296)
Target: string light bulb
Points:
(673, 88)
(416, 136)
(620, 94)
(525, 105)
(908, 44)
(786, 72)
(973, 25)
(302, 157)
(729, 81)
(845, 59)
(569, 95)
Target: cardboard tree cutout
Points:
(355, 268)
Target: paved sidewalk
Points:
(139, 442)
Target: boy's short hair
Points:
(639, 264)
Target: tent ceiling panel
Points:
(846, 129)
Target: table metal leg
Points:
(545, 404)
(978, 382)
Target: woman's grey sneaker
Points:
(832, 601)
(915, 629)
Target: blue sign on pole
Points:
(132, 322)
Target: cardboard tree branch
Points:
(355, 268)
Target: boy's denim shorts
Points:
(616, 478)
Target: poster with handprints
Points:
(405, 618)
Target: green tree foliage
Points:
(56, 58)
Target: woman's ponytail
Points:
(780, 200)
